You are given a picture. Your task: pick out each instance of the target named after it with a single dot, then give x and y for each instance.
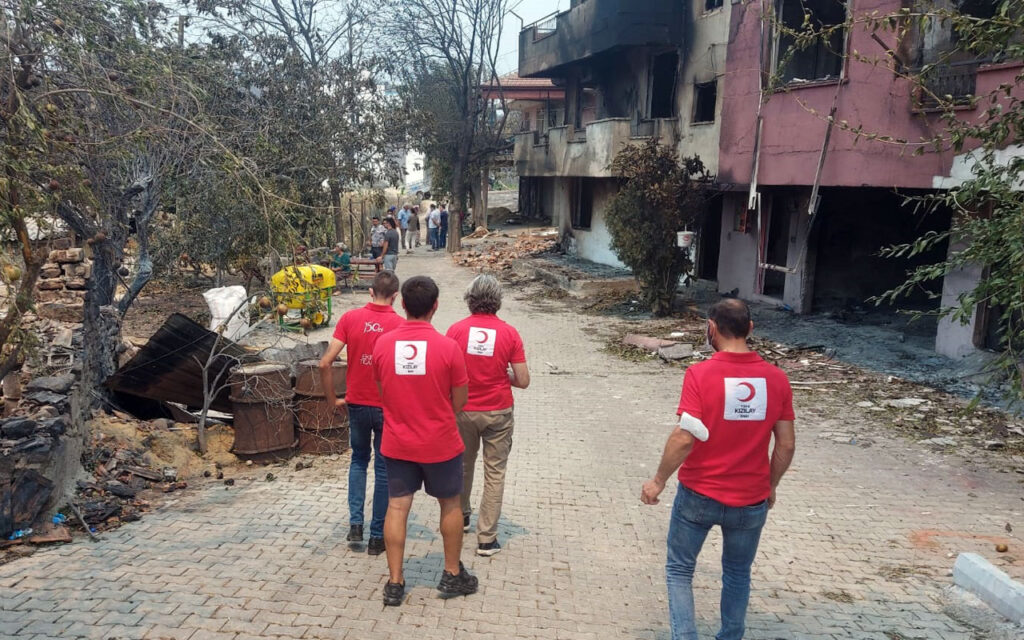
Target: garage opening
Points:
(852, 226)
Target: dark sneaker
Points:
(376, 546)
(488, 549)
(394, 593)
(460, 585)
(355, 533)
(465, 524)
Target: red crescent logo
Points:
(484, 338)
(750, 387)
(416, 351)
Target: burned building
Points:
(819, 165)
(630, 70)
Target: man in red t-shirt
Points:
(491, 347)
(422, 378)
(359, 330)
(731, 405)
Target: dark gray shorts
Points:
(440, 479)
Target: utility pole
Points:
(181, 30)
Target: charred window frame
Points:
(822, 58)
(712, 5)
(582, 204)
(664, 70)
(705, 102)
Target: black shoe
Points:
(394, 593)
(376, 546)
(355, 533)
(465, 524)
(488, 549)
(460, 585)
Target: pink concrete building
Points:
(808, 204)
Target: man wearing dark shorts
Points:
(423, 382)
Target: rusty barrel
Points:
(307, 378)
(322, 429)
(262, 400)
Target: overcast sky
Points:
(530, 11)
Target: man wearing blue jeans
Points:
(359, 330)
(731, 405)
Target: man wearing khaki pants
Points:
(496, 362)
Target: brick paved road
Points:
(847, 552)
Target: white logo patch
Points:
(481, 342)
(411, 357)
(746, 399)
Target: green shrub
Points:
(660, 196)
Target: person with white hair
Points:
(496, 362)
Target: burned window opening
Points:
(822, 58)
(705, 99)
(582, 202)
(711, 5)
(663, 85)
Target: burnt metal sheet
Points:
(170, 366)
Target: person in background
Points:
(496, 362)
(358, 331)
(414, 228)
(377, 231)
(442, 239)
(389, 252)
(403, 225)
(433, 227)
(341, 259)
(730, 408)
(422, 379)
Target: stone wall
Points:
(62, 283)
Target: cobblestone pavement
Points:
(856, 548)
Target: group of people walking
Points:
(423, 405)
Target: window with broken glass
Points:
(809, 41)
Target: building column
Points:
(954, 339)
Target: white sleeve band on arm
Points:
(693, 426)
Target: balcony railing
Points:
(944, 84)
(596, 27)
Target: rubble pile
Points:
(501, 257)
(119, 475)
(29, 445)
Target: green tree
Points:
(448, 48)
(659, 197)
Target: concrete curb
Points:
(996, 589)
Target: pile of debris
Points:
(501, 257)
(30, 446)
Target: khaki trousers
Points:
(494, 430)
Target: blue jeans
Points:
(364, 422)
(432, 238)
(693, 515)
(442, 236)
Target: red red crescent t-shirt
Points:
(739, 397)
(359, 329)
(490, 345)
(417, 368)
